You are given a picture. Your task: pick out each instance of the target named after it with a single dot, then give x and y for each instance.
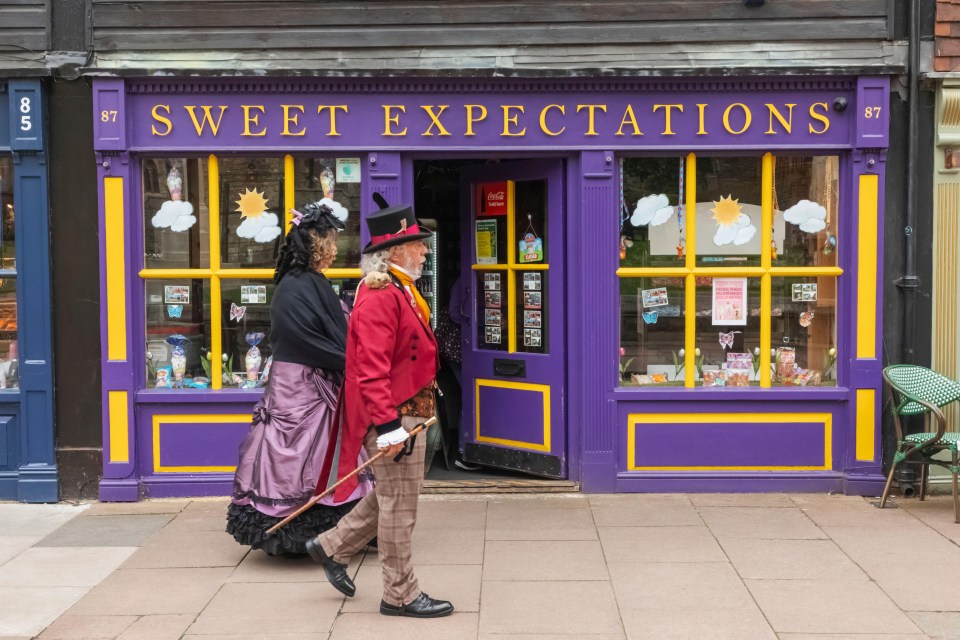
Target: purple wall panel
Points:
(201, 444)
(511, 414)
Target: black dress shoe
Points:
(423, 607)
(336, 572)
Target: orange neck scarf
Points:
(407, 281)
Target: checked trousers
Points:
(390, 513)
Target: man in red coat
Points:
(388, 390)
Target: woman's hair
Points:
(323, 248)
(309, 245)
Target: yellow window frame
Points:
(215, 273)
(690, 271)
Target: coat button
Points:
(413, 357)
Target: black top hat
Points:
(392, 226)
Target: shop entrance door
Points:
(513, 345)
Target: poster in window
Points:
(531, 282)
(531, 338)
(348, 170)
(654, 297)
(486, 240)
(491, 335)
(491, 299)
(730, 301)
(492, 199)
(176, 294)
(253, 294)
(804, 292)
(532, 319)
(491, 282)
(532, 300)
(492, 317)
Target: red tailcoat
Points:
(391, 355)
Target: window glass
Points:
(178, 333)
(804, 332)
(491, 313)
(245, 331)
(8, 257)
(175, 233)
(9, 362)
(651, 331)
(531, 312)
(251, 212)
(653, 227)
(806, 200)
(728, 332)
(314, 179)
(728, 212)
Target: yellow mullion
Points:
(343, 273)
(530, 267)
(766, 210)
(253, 274)
(175, 274)
(511, 262)
(690, 181)
(690, 331)
(652, 272)
(488, 267)
(801, 272)
(288, 191)
(765, 311)
(213, 208)
(216, 345)
(728, 272)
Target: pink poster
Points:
(730, 301)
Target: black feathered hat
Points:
(392, 226)
(295, 254)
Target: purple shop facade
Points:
(184, 442)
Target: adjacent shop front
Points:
(28, 469)
(670, 285)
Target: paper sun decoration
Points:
(809, 216)
(174, 214)
(732, 226)
(651, 210)
(258, 224)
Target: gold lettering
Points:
(389, 119)
(471, 119)
(333, 116)
(289, 119)
(591, 110)
(159, 118)
(252, 119)
(207, 118)
(747, 118)
(543, 119)
(702, 109)
(629, 117)
(822, 117)
(667, 130)
(787, 123)
(435, 119)
(508, 120)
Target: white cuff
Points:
(394, 437)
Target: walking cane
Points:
(423, 426)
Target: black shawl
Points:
(308, 325)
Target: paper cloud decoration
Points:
(339, 211)
(651, 210)
(262, 228)
(176, 215)
(809, 216)
(740, 232)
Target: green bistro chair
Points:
(920, 391)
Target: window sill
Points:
(652, 393)
(190, 396)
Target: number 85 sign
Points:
(26, 117)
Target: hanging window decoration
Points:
(809, 216)
(732, 225)
(531, 246)
(259, 224)
(651, 210)
(681, 227)
(174, 214)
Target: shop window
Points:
(9, 365)
(734, 284)
(213, 228)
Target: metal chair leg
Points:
(924, 480)
(893, 469)
(956, 493)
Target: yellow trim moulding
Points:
(161, 419)
(116, 268)
(522, 386)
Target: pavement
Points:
(517, 567)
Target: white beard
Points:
(414, 271)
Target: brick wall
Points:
(947, 32)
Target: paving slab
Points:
(62, 566)
(460, 584)
(183, 547)
(373, 626)
(71, 627)
(851, 636)
(740, 624)
(447, 546)
(741, 500)
(144, 507)
(938, 625)
(259, 567)
(106, 531)
(260, 636)
(829, 606)
(159, 627)
(453, 514)
(153, 591)
(679, 587)
(264, 607)
(11, 546)
(760, 522)
(26, 611)
(559, 519)
(544, 560)
(537, 636)
(851, 511)
(660, 544)
(790, 559)
(640, 510)
(551, 608)
(36, 519)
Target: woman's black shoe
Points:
(336, 573)
(423, 607)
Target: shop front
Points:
(669, 285)
(28, 469)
